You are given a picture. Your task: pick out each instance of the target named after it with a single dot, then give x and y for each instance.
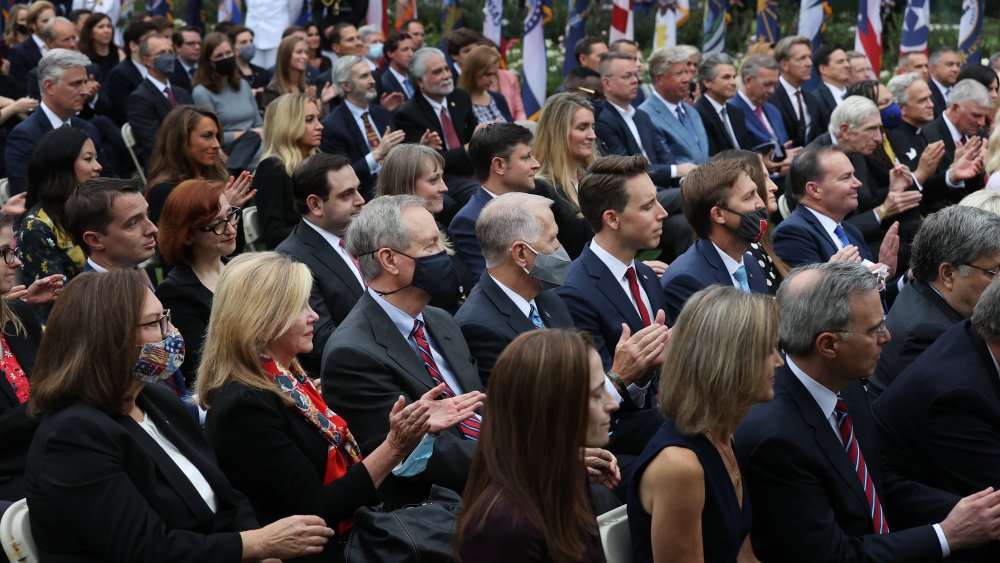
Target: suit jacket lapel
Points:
(516, 320)
(360, 138)
(611, 289)
(711, 256)
(161, 100)
(429, 116)
(620, 124)
(447, 344)
(397, 348)
(327, 256)
(829, 246)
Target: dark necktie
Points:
(729, 127)
(857, 460)
(170, 97)
(369, 132)
(469, 427)
(450, 136)
(633, 286)
(683, 118)
(802, 111)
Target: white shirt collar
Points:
(401, 78)
(941, 87)
(519, 302)
(788, 87)
(828, 225)
(436, 106)
(670, 106)
(334, 241)
(718, 107)
(617, 267)
(97, 267)
(955, 135)
(54, 119)
(143, 71)
(838, 93)
(628, 112)
(727, 260)
(355, 110)
(329, 237)
(400, 318)
(753, 106)
(160, 86)
(825, 399)
(38, 41)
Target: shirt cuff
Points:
(878, 218)
(950, 183)
(373, 167)
(673, 170)
(636, 393)
(945, 549)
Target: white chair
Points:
(783, 206)
(251, 224)
(4, 191)
(15, 533)
(615, 536)
(129, 139)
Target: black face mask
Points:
(23, 29)
(225, 66)
(434, 274)
(753, 224)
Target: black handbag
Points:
(420, 532)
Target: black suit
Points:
(825, 104)
(275, 204)
(789, 115)
(16, 428)
(23, 58)
(335, 288)
(124, 79)
(390, 85)
(937, 96)
(342, 135)
(908, 144)
(718, 137)
(146, 109)
(808, 502)
(417, 116)
(23, 346)
(22, 140)
(367, 365)
(190, 305)
(937, 130)
(82, 459)
(490, 321)
(617, 137)
(181, 77)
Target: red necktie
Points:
(857, 460)
(759, 112)
(633, 285)
(369, 132)
(450, 136)
(170, 97)
(354, 260)
(470, 426)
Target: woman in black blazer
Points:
(479, 70)
(274, 435)
(118, 469)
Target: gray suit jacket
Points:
(680, 142)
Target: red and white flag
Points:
(868, 38)
(621, 21)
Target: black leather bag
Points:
(421, 532)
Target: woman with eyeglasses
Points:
(197, 233)
(119, 469)
(19, 338)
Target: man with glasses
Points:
(676, 121)
(810, 457)
(156, 95)
(187, 45)
(763, 119)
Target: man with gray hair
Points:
(63, 81)
(810, 456)
(861, 67)
(915, 61)
(675, 119)
(797, 107)
(357, 128)
(724, 122)
(939, 420)
(953, 260)
(763, 120)
(393, 344)
(156, 95)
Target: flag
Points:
(163, 8)
(812, 20)
(968, 30)
(714, 30)
(621, 20)
(405, 10)
(868, 37)
(377, 15)
(915, 26)
(4, 14)
(196, 14)
(305, 15)
(768, 30)
(670, 15)
(229, 11)
(535, 65)
(493, 21)
(451, 18)
(576, 29)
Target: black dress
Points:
(574, 231)
(106, 62)
(771, 275)
(724, 526)
(274, 201)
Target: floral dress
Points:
(44, 250)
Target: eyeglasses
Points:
(9, 255)
(878, 331)
(219, 227)
(163, 322)
(990, 273)
(629, 76)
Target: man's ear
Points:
(826, 344)
(93, 240)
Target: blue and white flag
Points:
(161, 8)
(968, 30)
(229, 11)
(535, 62)
(714, 38)
(493, 20)
(915, 26)
(812, 15)
(768, 28)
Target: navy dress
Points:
(724, 526)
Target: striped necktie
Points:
(470, 426)
(857, 460)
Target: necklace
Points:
(729, 460)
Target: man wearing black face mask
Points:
(722, 205)
(393, 344)
(156, 95)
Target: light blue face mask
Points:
(417, 461)
(375, 51)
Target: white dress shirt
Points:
(190, 470)
(627, 113)
(723, 113)
(838, 93)
(753, 110)
(790, 90)
(373, 165)
(731, 266)
(437, 113)
(54, 119)
(519, 302)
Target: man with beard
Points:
(362, 131)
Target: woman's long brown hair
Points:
(170, 162)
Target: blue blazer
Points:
(612, 130)
(801, 239)
(699, 267)
(682, 146)
(23, 57)
(599, 305)
(502, 105)
(342, 135)
(23, 139)
(758, 133)
(390, 85)
(463, 232)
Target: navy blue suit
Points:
(390, 85)
(23, 57)
(801, 239)
(342, 135)
(463, 232)
(180, 76)
(755, 128)
(612, 130)
(699, 267)
(25, 136)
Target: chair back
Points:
(130, 143)
(615, 535)
(15, 534)
(251, 225)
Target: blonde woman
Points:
(292, 132)
(17, 25)
(565, 142)
(983, 199)
(290, 72)
(686, 500)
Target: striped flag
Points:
(915, 26)
(868, 37)
(768, 30)
(622, 25)
(968, 30)
(535, 66)
(576, 29)
(812, 19)
(377, 15)
(229, 11)
(163, 8)
(493, 21)
(714, 30)
(670, 15)
(405, 10)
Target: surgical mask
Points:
(164, 64)
(891, 116)
(550, 269)
(375, 51)
(159, 360)
(247, 52)
(225, 66)
(753, 224)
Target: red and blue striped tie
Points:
(857, 459)
(470, 426)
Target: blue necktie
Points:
(534, 318)
(683, 118)
(839, 231)
(407, 87)
(741, 276)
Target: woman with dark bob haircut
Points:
(111, 436)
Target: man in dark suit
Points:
(763, 120)
(395, 76)
(810, 456)
(954, 255)
(725, 231)
(394, 344)
(187, 46)
(155, 96)
(356, 128)
(610, 293)
(798, 108)
(325, 192)
(945, 66)
(128, 74)
(25, 55)
(834, 69)
(724, 122)
(502, 158)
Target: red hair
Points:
(191, 204)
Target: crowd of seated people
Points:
(761, 315)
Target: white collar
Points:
(329, 237)
(435, 105)
(160, 86)
(38, 41)
(355, 110)
(727, 260)
(97, 267)
(788, 88)
(753, 107)
(54, 119)
(827, 222)
(143, 71)
(400, 318)
(627, 112)
(941, 87)
(825, 399)
(617, 267)
(837, 92)
(955, 135)
(522, 305)
(718, 107)
(670, 106)
(401, 78)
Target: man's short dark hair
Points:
(708, 186)
(178, 36)
(603, 187)
(822, 55)
(226, 27)
(135, 31)
(406, 24)
(310, 178)
(88, 208)
(808, 167)
(617, 43)
(395, 38)
(460, 38)
(578, 77)
(337, 30)
(582, 47)
(495, 140)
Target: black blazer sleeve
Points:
(502, 105)
(274, 201)
(188, 314)
(142, 115)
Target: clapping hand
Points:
(239, 190)
(445, 413)
(42, 290)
